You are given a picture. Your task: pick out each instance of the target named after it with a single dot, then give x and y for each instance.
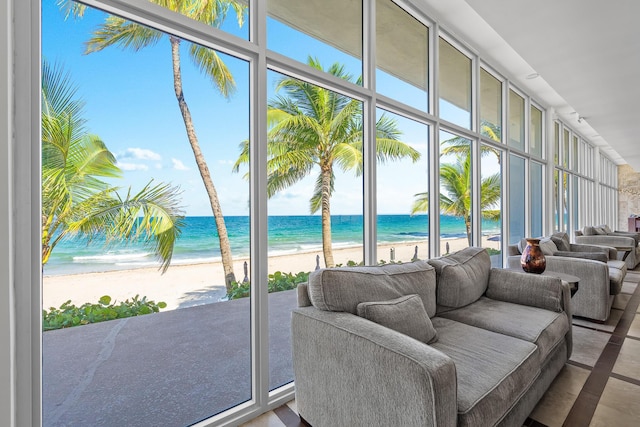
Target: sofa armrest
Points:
(347, 367)
(607, 240)
(526, 289)
(596, 256)
(594, 247)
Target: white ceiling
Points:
(587, 53)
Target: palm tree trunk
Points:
(225, 247)
(326, 215)
(467, 224)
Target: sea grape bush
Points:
(278, 281)
(69, 315)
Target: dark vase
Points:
(533, 260)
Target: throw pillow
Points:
(561, 240)
(606, 228)
(587, 230)
(599, 230)
(405, 315)
(548, 247)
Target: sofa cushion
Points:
(490, 379)
(616, 277)
(544, 328)
(343, 288)
(462, 277)
(606, 228)
(588, 230)
(405, 315)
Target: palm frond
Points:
(210, 63)
(116, 31)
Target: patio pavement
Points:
(171, 368)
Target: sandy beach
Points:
(187, 285)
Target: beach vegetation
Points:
(277, 282)
(116, 31)
(314, 129)
(455, 195)
(76, 201)
(68, 314)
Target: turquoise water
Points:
(287, 234)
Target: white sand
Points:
(186, 285)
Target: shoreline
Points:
(185, 285)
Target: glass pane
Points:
(231, 16)
(574, 204)
(319, 33)
(556, 140)
(402, 55)
(454, 85)
(490, 106)
(517, 191)
(171, 367)
(402, 185)
(537, 201)
(565, 202)
(516, 120)
(535, 139)
(315, 197)
(574, 153)
(455, 192)
(565, 148)
(556, 200)
(491, 202)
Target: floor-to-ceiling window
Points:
(259, 128)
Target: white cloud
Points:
(141, 154)
(178, 165)
(132, 166)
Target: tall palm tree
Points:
(75, 201)
(116, 31)
(455, 199)
(312, 127)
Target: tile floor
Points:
(599, 386)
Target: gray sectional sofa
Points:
(601, 274)
(442, 342)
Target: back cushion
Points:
(343, 288)
(462, 276)
(547, 246)
(588, 230)
(561, 240)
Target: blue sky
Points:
(131, 106)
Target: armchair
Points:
(625, 241)
(601, 275)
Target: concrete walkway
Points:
(172, 368)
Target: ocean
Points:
(198, 242)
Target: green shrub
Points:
(69, 315)
(277, 282)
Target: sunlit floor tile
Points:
(588, 345)
(628, 288)
(292, 404)
(558, 400)
(628, 363)
(634, 329)
(620, 301)
(608, 326)
(268, 419)
(615, 408)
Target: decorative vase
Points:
(533, 260)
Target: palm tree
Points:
(456, 198)
(116, 31)
(312, 127)
(75, 201)
(460, 144)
